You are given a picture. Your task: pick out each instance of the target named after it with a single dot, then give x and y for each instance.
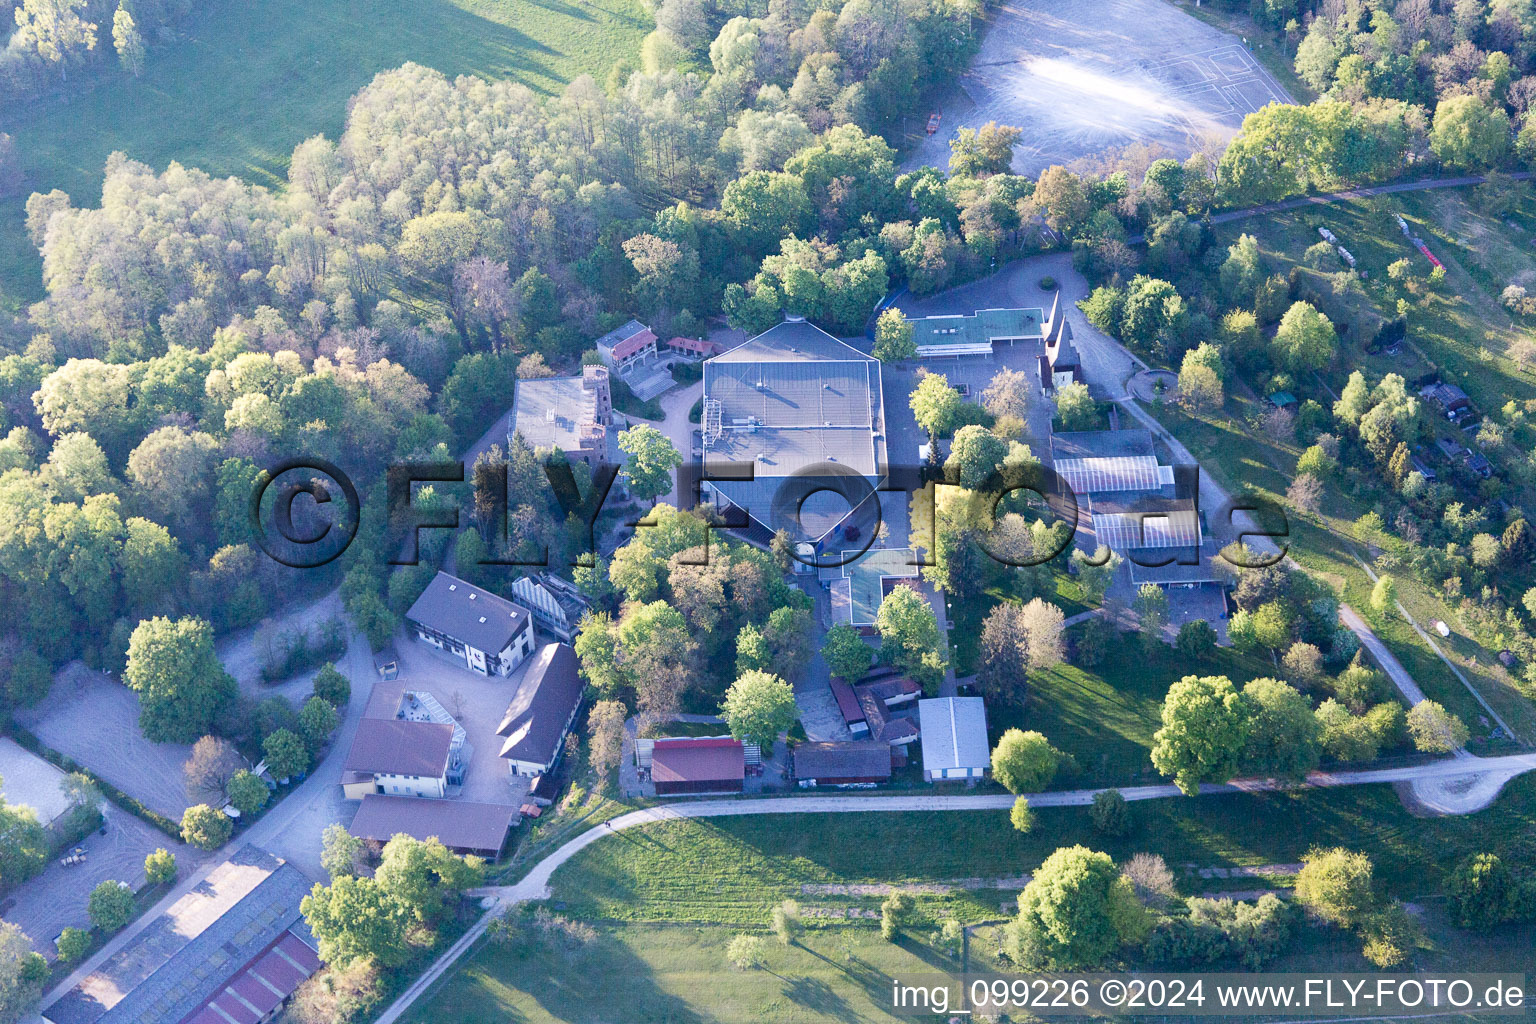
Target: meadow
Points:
(665, 899)
(678, 975)
(734, 870)
(1105, 716)
(242, 84)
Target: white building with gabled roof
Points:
(954, 732)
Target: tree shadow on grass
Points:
(926, 953)
(859, 971)
(555, 980)
(816, 994)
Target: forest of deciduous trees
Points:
(380, 304)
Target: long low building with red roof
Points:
(687, 766)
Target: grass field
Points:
(1105, 717)
(668, 897)
(678, 975)
(734, 870)
(245, 83)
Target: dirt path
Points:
(1482, 779)
(1456, 671)
(1384, 657)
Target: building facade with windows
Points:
(542, 713)
(626, 346)
(490, 633)
(398, 758)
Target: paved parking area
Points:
(95, 720)
(57, 898)
(1082, 78)
(477, 702)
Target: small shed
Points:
(1283, 400)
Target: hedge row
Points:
(111, 792)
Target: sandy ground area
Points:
(94, 719)
(1081, 78)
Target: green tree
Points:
(1104, 308)
(1096, 573)
(1196, 639)
(1024, 762)
(1075, 407)
(934, 404)
(424, 877)
(657, 651)
(1242, 271)
(354, 919)
(909, 631)
(30, 679)
(1434, 729)
(788, 638)
(765, 207)
(1305, 339)
(974, 152)
(1337, 885)
(73, 944)
(1151, 607)
(893, 337)
(758, 707)
(847, 655)
(205, 828)
(339, 850)
(752, 651)
(1021, 816)
(22, 973)
(126, 38)
(1485, 892)
(1272, 625)
(975, 456)
(317, 720)
(285, 754)
(745, 953)
(786, 922)
(1468, 133)
(1206, 726)
(110, 906)
(247, 792)
(1110, 814)
(895, 911)
(1284, 738)
(597, 649)
(1076, 910)
(181, 684)
(1384, 596)
(651, 460)
(160, 867)
(331, 686)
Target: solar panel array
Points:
(1110, 475)
(1124, 530)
